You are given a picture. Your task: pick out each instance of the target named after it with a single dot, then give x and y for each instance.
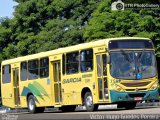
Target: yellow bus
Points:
(116, 70)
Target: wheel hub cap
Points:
(89, 101)
(31, 104)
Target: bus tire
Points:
(70, 108)
(130, 105)
(31, 105)
(40, 109)
(88, 102)
(120, 105)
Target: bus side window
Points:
(6, 74)
(33, 69)
(63, 64)
(104, 59)
(44, 67)
(86, 60)
(24, 71)
(72, 62)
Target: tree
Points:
(45, 25)
(41, 25)
(106, 23)
(5, 35)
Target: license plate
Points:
(138, 98)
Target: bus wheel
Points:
(88, 101)
(31, 105)
(130, 105)
(70, 108)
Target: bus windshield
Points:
(133, 64)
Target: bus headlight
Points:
(117, 88)
(154, 86)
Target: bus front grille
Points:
(140, 89)
(136, 84)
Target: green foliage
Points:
(106, 23)
(41, 25)
(142, 1)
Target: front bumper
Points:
(130, 96)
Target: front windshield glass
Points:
(133, 64)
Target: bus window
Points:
(63, 64)
(44, 67)
(86, 58)
(72, 62)
(33, 69)
(99, 67)
(24, 71)
(104, 59)
(6, 77)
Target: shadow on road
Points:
(99, 110)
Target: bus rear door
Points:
(57, 81)
(15, 76)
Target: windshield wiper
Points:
(140, 56)
(138, 65)
(126, 56)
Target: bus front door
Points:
(57, 82)
(101, 60)
(15, 72)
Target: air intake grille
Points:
(136, 84)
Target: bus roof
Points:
(94, 43)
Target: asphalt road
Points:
(143, 112)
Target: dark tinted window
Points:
(44, 67)
(64, 65)
(33, 69)
(86, 58)
(72, 62)
(24, 71)
(117, 44)
(6, 74)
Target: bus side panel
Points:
(89, 82)
(45, 98)
(7, 95)
(23, 98)
(40, 88)
(71, 85)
